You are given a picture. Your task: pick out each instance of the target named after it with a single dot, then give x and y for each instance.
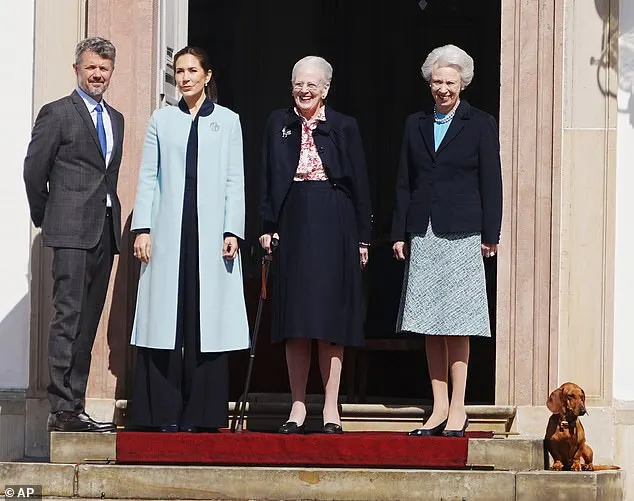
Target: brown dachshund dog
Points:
(565, 437)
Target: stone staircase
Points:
(95, 481)
(504, 468)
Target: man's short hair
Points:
(100, 46)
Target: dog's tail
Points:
(601, 467)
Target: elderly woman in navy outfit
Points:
(188, 216)
(316, 200)
(448, 216)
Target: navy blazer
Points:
(339, 145)
(459, 186)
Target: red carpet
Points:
(352, 449)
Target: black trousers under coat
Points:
(182, 386)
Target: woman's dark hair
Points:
(211, 89)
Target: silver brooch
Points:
(285, 132)
(214, 126)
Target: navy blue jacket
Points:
(459, 186)
(339, 145)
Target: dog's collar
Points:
(564, 424)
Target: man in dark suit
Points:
(70, 172)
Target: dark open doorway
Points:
(376, 50)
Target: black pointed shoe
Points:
(98, 425)
(457, 433)
(68, 421)
(332, 429)
(436, 431)
(292, 428)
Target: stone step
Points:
(512, 453)
(93, 481)
(377, 417)
(266, 411)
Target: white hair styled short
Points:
(315, 62)
(449, 55)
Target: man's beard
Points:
(92, 92)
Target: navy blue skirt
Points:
(317, 278)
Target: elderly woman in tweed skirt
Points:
(447, 218)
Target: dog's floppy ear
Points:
(554, 403)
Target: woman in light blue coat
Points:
(189, 217)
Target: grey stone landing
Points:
(83, 466)
(93, 481)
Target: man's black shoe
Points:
(99, 425)
(68, 421)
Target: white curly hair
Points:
(449, 55)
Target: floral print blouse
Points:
(310, 167)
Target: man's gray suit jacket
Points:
(66, 176)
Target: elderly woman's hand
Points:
(363, 256)
(143, 247)
(489, 250)
(400, 250)
(230, 247)
(265, 241)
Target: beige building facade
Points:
(565, 276)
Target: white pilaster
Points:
(16, 89)
(624, 247)
(17, 19)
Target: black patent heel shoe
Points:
(436, 431)
(457, 433)
(332, 429)
(291, 428)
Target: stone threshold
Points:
(91, 481)
(267, 411)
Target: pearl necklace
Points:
(447, 117)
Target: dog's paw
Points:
(576, 466)
(588, 467)
(557, 466)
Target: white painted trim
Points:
(172, 36)
(624, 227)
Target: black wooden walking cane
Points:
(238, 425)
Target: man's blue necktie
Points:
(101, 131)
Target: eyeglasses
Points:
(311, 86)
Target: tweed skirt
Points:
(444, 287)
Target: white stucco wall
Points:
(16, 88)
(624, 248)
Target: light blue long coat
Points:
(159, 207)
